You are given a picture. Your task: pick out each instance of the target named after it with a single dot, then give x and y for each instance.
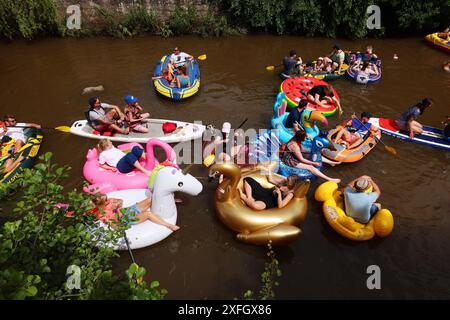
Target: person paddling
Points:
(408, 119)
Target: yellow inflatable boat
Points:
(381, 224)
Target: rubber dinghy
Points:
(431, 136)
(185, 131)
(29, 151)
(163, 87)
(360, 78)
(438, 42)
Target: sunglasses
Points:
(12, 120)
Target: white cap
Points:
(226, 127)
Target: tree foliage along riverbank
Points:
(332, 18)
(39, 242)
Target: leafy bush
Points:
(28, 19)
(215, 25)
(38, 246)
(183, 21)
(138, 21)
(113, 23)
(268, 278)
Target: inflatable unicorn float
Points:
(166, 179)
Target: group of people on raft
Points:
(365, 63)
(360, 203)
(12, 135)
(175, 71)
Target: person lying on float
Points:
(322, 94)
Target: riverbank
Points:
(128, 18)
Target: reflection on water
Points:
(42, 82)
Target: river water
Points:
(42, 82)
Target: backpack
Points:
(86, 115)
(169, 127)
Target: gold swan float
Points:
(280, 225)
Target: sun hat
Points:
(361, 185)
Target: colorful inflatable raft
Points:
(381, 224)
(297, 88)
(163, 87)
(343, 154)
(438, 42)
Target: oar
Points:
(388, 149)
(60, 128)
(271, 68)
(128, 246)
(242, 123)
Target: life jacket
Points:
(86, 114)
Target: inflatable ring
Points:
(279, 225)
(296, 88)
(343, 154)
(381, 224)
(353, 73)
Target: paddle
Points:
(60, 128)
(271, 68)
(388, 149)
(242, 123)
(128, 246)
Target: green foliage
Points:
(28, 19)
(165, 31)
(183, 21)
(215, 25)
(414, 16)
(331, 18)
(38, 246)
(337, 18)
(268, 278)
(138, 21)
(113, 23)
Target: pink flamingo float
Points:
(104, 180)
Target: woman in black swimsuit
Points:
(259, 198)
